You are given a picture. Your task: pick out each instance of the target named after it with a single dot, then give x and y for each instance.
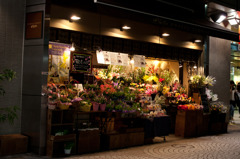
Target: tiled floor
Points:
(223, 146)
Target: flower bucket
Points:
(64, 106)
(52, 105)
(67, 151)
(95, 106)
(102, 107)
(85, 108)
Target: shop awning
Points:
(165, 13)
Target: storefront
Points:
(168, 62)
(126, 85)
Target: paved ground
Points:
(224, 146)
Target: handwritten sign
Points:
(81, 63)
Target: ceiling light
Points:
(221, 18)
(132, 61)
(218, 16)
(165, 34)
(125, 27)
(195, 66)
(233, 21)
(197, 41)
(75, 17)
(72, 47)
(156, 62)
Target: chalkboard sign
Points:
(81, 63)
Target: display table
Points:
(172, 112)
(157, 127)
(188, 123)
(217, 123)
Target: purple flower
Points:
(115, 84)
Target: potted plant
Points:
(52, 92)
(7, 113)
(110, 106)
(85, 105)
(102, 102)
(68, 147)
(65, 102)
(95, 103)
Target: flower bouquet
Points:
(190, 107)
(217, 107)
(76, 102)
(85, 106)
(65, 102)
(52, 92)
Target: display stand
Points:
(60, 124)
(172, 113)
(89, 127)
(157, 127)
(217, 123)
(188, 123)
(126, 130)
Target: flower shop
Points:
(127, 101)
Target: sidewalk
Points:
(236, 117)
(222, 146)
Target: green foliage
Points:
(7, 113)
(110, 106)
(137, 75)
(6, 75)
(168, 77)
(94, 87)
(119, 107)
(68, 145)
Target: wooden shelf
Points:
(63, 124)
(60, 120)
(63, 138)
(90, 112)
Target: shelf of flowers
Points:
(142, 92)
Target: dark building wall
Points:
(12, 17)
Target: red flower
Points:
(161, 79)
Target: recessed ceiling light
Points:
(75, 17)
(197, 41)
(165, 34)
(125, 27)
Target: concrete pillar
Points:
(219, 67)
(35, 66)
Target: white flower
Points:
(209, 94)
(214, 97)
